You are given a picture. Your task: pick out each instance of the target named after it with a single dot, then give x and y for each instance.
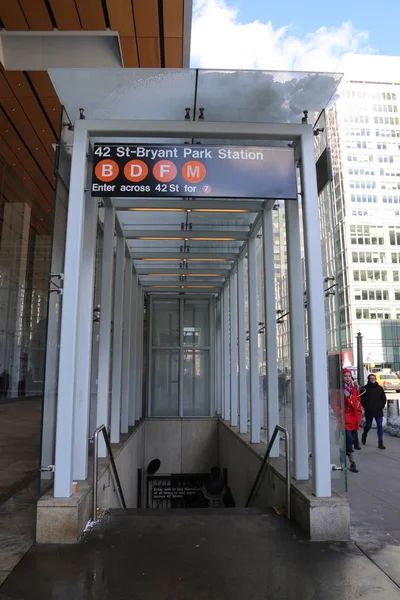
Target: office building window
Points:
(396, 257)
(366, 235)
(356, 171)
(390, 133)
(396, 275)
(386, 120)
(394, 236)
(369, 257)
(372, 314)
(384, 108)
(397, 295)
(369, 275)
(376, 295)
(383, 96)
(366, 198)
(360, 184)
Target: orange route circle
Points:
(106, 170)
(194, 171)
(164, 171)
(136, 170)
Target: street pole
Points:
(360, 364)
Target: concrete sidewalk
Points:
(374, 495)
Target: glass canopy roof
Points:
(164, 94)
(187, 245)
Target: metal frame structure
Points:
(301, 136)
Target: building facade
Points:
(364, 137)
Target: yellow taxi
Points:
(389, 381)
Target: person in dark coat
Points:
(215, 493)
(373, 399)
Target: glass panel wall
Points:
(180, 382)
(62, 169)
(25, 240)
(165, 383)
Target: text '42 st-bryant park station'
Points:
(128, 170)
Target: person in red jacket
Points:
(352, 415)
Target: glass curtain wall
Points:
(180, 375)
(25, 245)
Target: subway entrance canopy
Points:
(140, 133)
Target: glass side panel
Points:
(331, 257)
(166, 323)
(196, 323)
(261, 334)
(62, 167)
(165, 383)
(196, 383)
(247, 320)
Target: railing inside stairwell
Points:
(102, 429)
(278, 429)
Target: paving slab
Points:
(186, 555)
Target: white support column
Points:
(297, 342)
(134, 349)
(218, 370)
(212, 359)
(69, 320)
(242, 347)
(127, 380)
(271, 350)
(316, 320)
(117, 340)
(106, 304)
(139, 357)
(255, 425)
(234, 349)
(84, 342)
(222, 295)
(225, 357)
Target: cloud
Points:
(221, 41)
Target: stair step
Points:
(182, 512)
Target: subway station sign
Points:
(183, 170)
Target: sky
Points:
(291, 35)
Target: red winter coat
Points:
(353, 410)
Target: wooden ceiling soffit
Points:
(173, 18)
(44, 89)
(24, 176)
(12, 16)
(66, 15)
(91, 14)
(149, 52)
(146, 18)
(31, 140)
(30, 121)
(22, 155)
(121, 17)
(36, 14)
(173, 50)
(129, 52)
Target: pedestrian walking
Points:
(352, 415)
(373, 399)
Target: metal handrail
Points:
(113, 469)
(260, 473)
